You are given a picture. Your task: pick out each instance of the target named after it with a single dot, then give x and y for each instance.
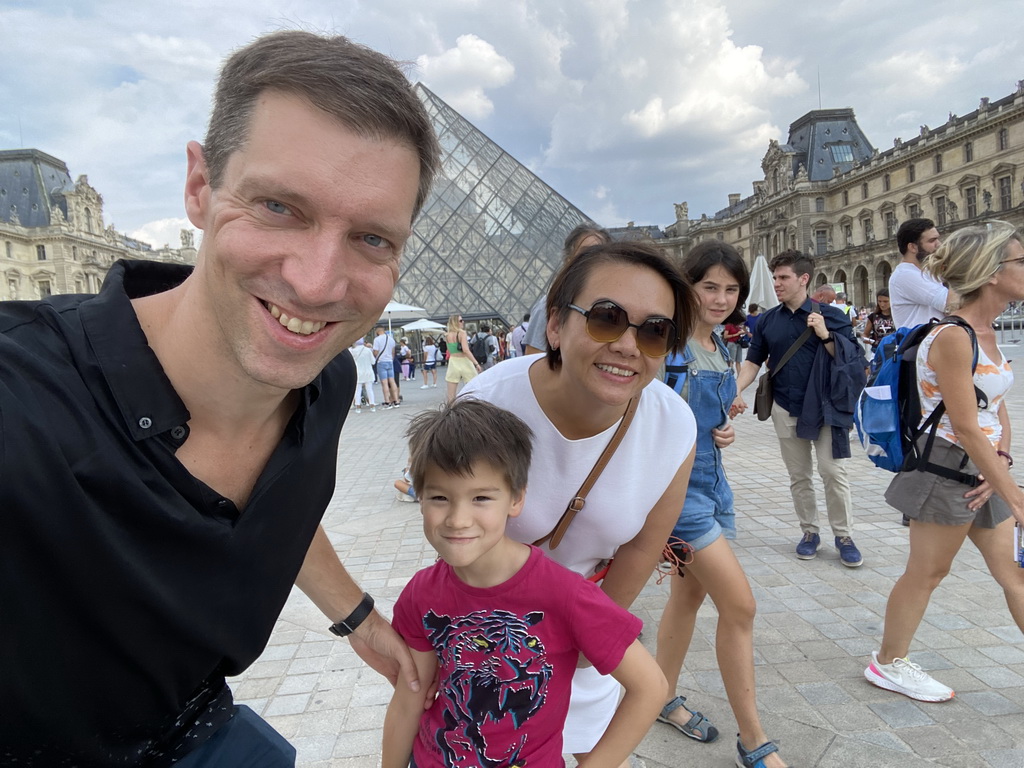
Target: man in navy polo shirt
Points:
(794, 383)
(169, 446)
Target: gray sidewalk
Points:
(816, 626)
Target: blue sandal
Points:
(753, 758)
(697, 727)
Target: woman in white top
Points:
(613, 313)
(362, 353)
(985, 267)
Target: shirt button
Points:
(145, 422)
(178, 433)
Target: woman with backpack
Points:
(702, 373)
(985, 267)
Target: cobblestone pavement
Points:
(816, 626)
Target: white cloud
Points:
(464, 72)
(166, 232)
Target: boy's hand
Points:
(377, 643)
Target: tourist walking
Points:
(362, 354)
(962, 370)
(462, 366)
(702, 374)
(429, 363)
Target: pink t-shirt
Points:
(507, 655)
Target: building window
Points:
(864, 191)
(890, 223)
(9, 249)
(938, 163)
(44, 289)
(74, 252)
(940, 210)
(869, 230)
(739, 231)
(720, 235)
(848, 235)
(971, 198)
(846, 197)
(1005, 193)
(842, 153)
(911, 173)
(820, 241)
(969, 152)
(914, 210)
(41, 253)
(1004, 138)
(819, 204)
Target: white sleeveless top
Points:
(657, 442)
(994, 379)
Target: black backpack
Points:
(478, 346)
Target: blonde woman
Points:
(462, 366)
(985, 267)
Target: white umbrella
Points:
(762, 288)
(423, 325)
(396, 310)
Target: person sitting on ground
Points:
(404, 486)
(985, 267)
(493, 603)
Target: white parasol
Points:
(396, 310)
(762, 288)
(423, 325)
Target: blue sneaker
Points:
(849, 555)
(807, 549)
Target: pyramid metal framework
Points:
(489, 237)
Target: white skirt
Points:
(591, 708)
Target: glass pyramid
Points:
(490, 234)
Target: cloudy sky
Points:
(623, 106)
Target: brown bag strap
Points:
(815, 307)
(580, 499)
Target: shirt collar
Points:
(148, 402)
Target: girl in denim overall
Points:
(703, 375)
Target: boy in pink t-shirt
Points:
(505, 624)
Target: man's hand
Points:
(816, 322)
(377, 643)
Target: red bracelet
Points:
(1006, 456)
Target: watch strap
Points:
(351, 623)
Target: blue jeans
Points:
(708, 510)
(245, 741)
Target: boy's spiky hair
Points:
(466, 431)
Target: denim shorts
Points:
(708, 511)
(385, 369)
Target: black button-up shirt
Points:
(129, 588)
(775, 333)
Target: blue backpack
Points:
(888, 412)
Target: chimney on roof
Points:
(734, 199)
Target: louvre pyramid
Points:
(490, 234)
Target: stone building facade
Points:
(52, 234)
(829, 193)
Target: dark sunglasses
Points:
(607, 321)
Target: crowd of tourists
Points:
(169, 447)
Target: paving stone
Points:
(989, 703)
(900, 713)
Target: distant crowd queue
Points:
(169, 447)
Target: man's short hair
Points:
(362, 89)
(910, 231)
(484, 328)
(800, 263)
(841, 296)
(464, 432)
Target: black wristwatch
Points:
(351, 623)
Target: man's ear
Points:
(197, 186)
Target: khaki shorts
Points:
(459, 369)
(928, 498)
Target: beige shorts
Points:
(460, 369)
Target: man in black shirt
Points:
(794, 386)
(168, 447)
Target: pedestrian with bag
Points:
(972, 494)
(602, 424)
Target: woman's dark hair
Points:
(573, 276)
(715, 253)
(580, 233)
(879, 294)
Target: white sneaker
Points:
(906, 677)
(433, 386)
(373, 409)
(399, 496)
(425, 386)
